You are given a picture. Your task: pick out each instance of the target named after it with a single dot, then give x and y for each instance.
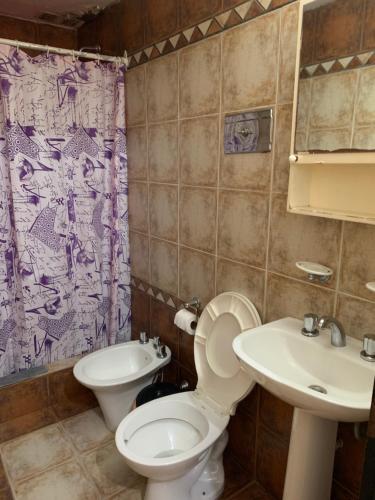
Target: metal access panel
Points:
(249, 132)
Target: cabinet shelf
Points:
(337, 186)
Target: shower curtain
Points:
(64, 251)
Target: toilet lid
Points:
(221, 379)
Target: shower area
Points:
(64, 239)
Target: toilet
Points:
(117, 374)
(177, 442)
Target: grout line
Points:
(219, 163)
(178, 56)
(355, 107)
(275, 123)
(147, 173)
(339, 266)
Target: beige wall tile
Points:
(135, 96)
(198, 218)
(365, 109)
(162, 99)
(164, 211)
(364, 137)
(245, 171)
(320, 241)
(357, 316)
(199, 78)
(286, 297)
(283, 132)
(288, 52)
(332, 100)
(137, 153)
(358, 259)
(199, 151)
(31, 454)
(163, 152)
(250, 63)
(243, 226)
(247, 280)
(329, 139)
(164, 272)
(301, 140)
(138, 206)
(304, 104)
(197, 275)
(139, 253)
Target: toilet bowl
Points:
(117, 374)
(177, 442)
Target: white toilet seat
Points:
(221, 379)
(134, 434)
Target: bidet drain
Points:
(318, 388)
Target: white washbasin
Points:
(286, 363)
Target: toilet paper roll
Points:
(186, 321)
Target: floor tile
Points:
(87, 430)
(64, 482)
(110, 472)
(129, 495)
(35, 452)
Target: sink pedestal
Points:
(311, 456)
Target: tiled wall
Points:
(34, 32)
(202, 223)
(336, 111)
(339, 29)
(138, 24)
(42, 400)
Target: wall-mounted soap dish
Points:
(371, 286)
(315, 271)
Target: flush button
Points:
(248, 132)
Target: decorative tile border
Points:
(156, 293)
(228, 19)
(337, 65)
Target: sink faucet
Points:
(338, 337)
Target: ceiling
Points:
(59, 11)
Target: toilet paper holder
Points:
(194, 304)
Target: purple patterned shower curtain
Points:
(64, 251)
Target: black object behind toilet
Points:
(155, 391)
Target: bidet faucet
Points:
(338, 337)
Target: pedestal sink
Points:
(325, 384)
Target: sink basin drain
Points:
(318, 388)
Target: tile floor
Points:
(76, 459)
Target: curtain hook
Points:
(47, 51)
(73, 56)
(17, 45)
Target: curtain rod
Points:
(73, 53)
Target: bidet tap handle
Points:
(156, 342)
(143, 339)
(162, 351)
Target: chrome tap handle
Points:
(143, 339)
(310, 325)
(156, 342)
(161, 351)
(368, 353)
